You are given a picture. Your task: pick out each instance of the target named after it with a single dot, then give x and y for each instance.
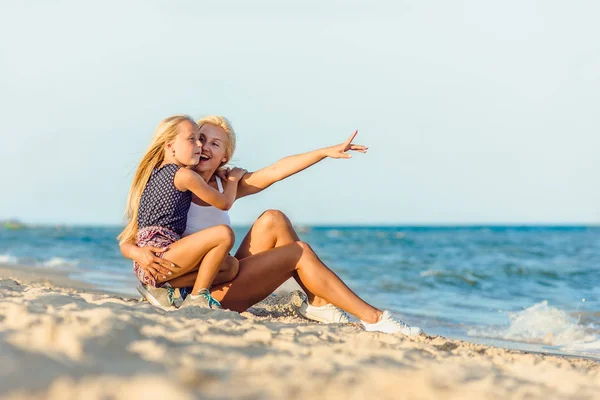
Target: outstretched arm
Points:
(254, 182)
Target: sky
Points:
(475, 112)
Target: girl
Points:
(157, 207)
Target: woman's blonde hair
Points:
(223, 123)
(166, 132)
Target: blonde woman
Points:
(271, 251)
(157, 207)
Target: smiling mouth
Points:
(204, 157)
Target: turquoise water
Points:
(523, 287)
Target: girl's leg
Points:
(262, 273)
(273, 229)
(203, 251)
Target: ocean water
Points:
(532, 288)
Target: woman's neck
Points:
(206, 175)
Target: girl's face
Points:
(186, 148)
(213, 140)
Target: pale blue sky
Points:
(474, 111)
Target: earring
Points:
(173, 152)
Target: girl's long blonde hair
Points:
(166, 132)
(223, 123)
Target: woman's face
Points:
(213, 140)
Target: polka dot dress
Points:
(162, 204)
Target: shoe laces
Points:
(342, 315)
(211, 301)
(395, 321)
(171, 295)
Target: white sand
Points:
(66, 343)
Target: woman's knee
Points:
(305, 248)
(271, 219)
(298, 254)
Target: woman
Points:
(271, 251)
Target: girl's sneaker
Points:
(164, 296)
(328, 313)
(389, 324)
(203, 299)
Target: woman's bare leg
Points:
(262, 273)
(273, 229)
(203, 251)
(227, 271)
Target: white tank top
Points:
(202, 217)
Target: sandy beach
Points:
(61, 339)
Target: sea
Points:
(534, 288)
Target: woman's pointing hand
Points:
(339, 151)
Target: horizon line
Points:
(359, 225)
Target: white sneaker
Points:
(328, 313)
(389, 324)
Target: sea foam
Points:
(58, 262)
(8, 259)
(542, 324)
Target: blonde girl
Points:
(157, 207)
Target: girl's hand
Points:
(235, 174)
(339, 151)
(223, 173)
(153, 265)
